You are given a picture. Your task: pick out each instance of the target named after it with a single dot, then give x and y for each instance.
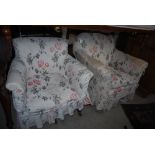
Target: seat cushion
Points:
(119, 79)
(45, 92)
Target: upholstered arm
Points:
(139, 65)
(128, 64)
(16, 76)
(17, 84)
(107, 75)
(79, 76)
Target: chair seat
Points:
(121, 79)
(50, 91)
(112, 78)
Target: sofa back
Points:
(41, 55)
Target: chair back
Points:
(41, 55)
(96, 45)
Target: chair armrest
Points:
(128, 64)
(104, 74)
(139, 65)
(78, 74)
(16, 76)
(17, 84)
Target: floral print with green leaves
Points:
(45, 81)
(116, 75)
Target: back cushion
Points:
(96, 45)
(41, 55)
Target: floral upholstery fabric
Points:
(41, 95)
(128, 64)
(41, 55)
(113, 81)
(46, 82)
(97, 46)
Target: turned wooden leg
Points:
(5, 100)
(79, 112)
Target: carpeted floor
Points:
(141, 116)
(91, 119)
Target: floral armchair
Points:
(116, 74)
(46, 82)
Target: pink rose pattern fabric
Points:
(46, 82)
(41, 55)
(116, 75)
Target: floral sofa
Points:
(116, 74)
(46, 82)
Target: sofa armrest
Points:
(79, 76)
(16, 76)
